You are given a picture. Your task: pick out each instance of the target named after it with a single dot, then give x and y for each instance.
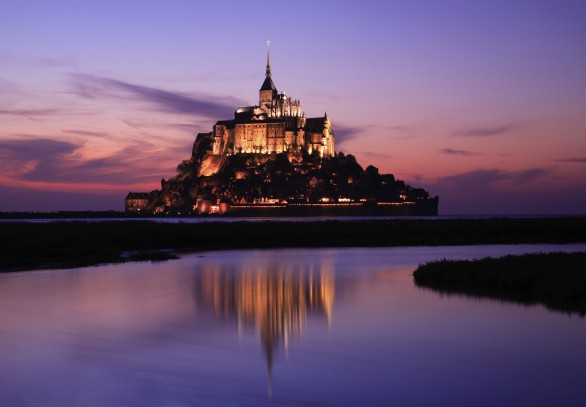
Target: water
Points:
(290, 327)
(206, 219)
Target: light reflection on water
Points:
(274, 298)
(280, 327)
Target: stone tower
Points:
(268, 90)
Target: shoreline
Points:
(231, 217)
(68, 244)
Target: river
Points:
(287, 327)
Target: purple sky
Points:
(480, 102)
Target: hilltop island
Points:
(272, 160)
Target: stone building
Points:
(276, 125)
(136, 201)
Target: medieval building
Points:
(276, 125)
(271, 157)
(136, 201)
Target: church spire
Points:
(268, 83)
(268, 72)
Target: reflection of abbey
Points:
(275, 299)
(277, 124)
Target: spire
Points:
(268, 83)
(268, 72)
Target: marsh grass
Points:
(152, 255)
(556, 280)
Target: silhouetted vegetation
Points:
(290, 177)
(152, 255)
(70, 244)
(556, 280)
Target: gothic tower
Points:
(268, 90)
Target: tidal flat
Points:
(29, 245)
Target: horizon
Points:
(483, 105)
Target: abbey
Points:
(272, 160)
(276, 125)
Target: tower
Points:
(268, 90)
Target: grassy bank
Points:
(72, 244)
(556, 280)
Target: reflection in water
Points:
(274, 299)
(150, 334)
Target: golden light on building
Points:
(275, 125)
(276, 301)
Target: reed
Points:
(556, 280)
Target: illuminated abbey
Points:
(272, 160)
(276, 125)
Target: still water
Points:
(290, 327)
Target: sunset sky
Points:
(480, 102)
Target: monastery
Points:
(276, 125)
(272, 160)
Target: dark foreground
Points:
(73, 244)
(556, 280)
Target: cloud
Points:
(89, 86)
(126, 166)
(399, 132)
(190, 127)
(400, 128)
(33, 159)
(33, 149)
(345, 133)
(375, 156)
(572, 160)
(51, 161)
(500, 191)
(30, 113)
(86, 133)
(476, 178)
(488, 178)
(451, 151)
(487, 131)
(55, 62)
(530, 175)
(135, 124)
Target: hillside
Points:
(293, 177)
